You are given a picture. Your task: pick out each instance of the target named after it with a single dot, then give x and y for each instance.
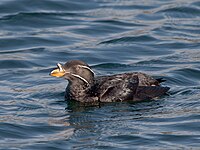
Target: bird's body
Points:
(85, 87)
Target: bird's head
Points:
(75, 71)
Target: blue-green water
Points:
(161, 38)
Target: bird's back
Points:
(127, 87)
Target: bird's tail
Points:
(160, 80)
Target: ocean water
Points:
(158, 37)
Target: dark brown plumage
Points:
(84, 87)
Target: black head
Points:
(75, 71)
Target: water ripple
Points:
(160, 38)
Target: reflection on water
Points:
(159, 37)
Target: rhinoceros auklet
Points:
(85, 87)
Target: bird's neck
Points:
(75, 90)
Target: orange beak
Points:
(59, 72)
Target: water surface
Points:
(161, 38)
